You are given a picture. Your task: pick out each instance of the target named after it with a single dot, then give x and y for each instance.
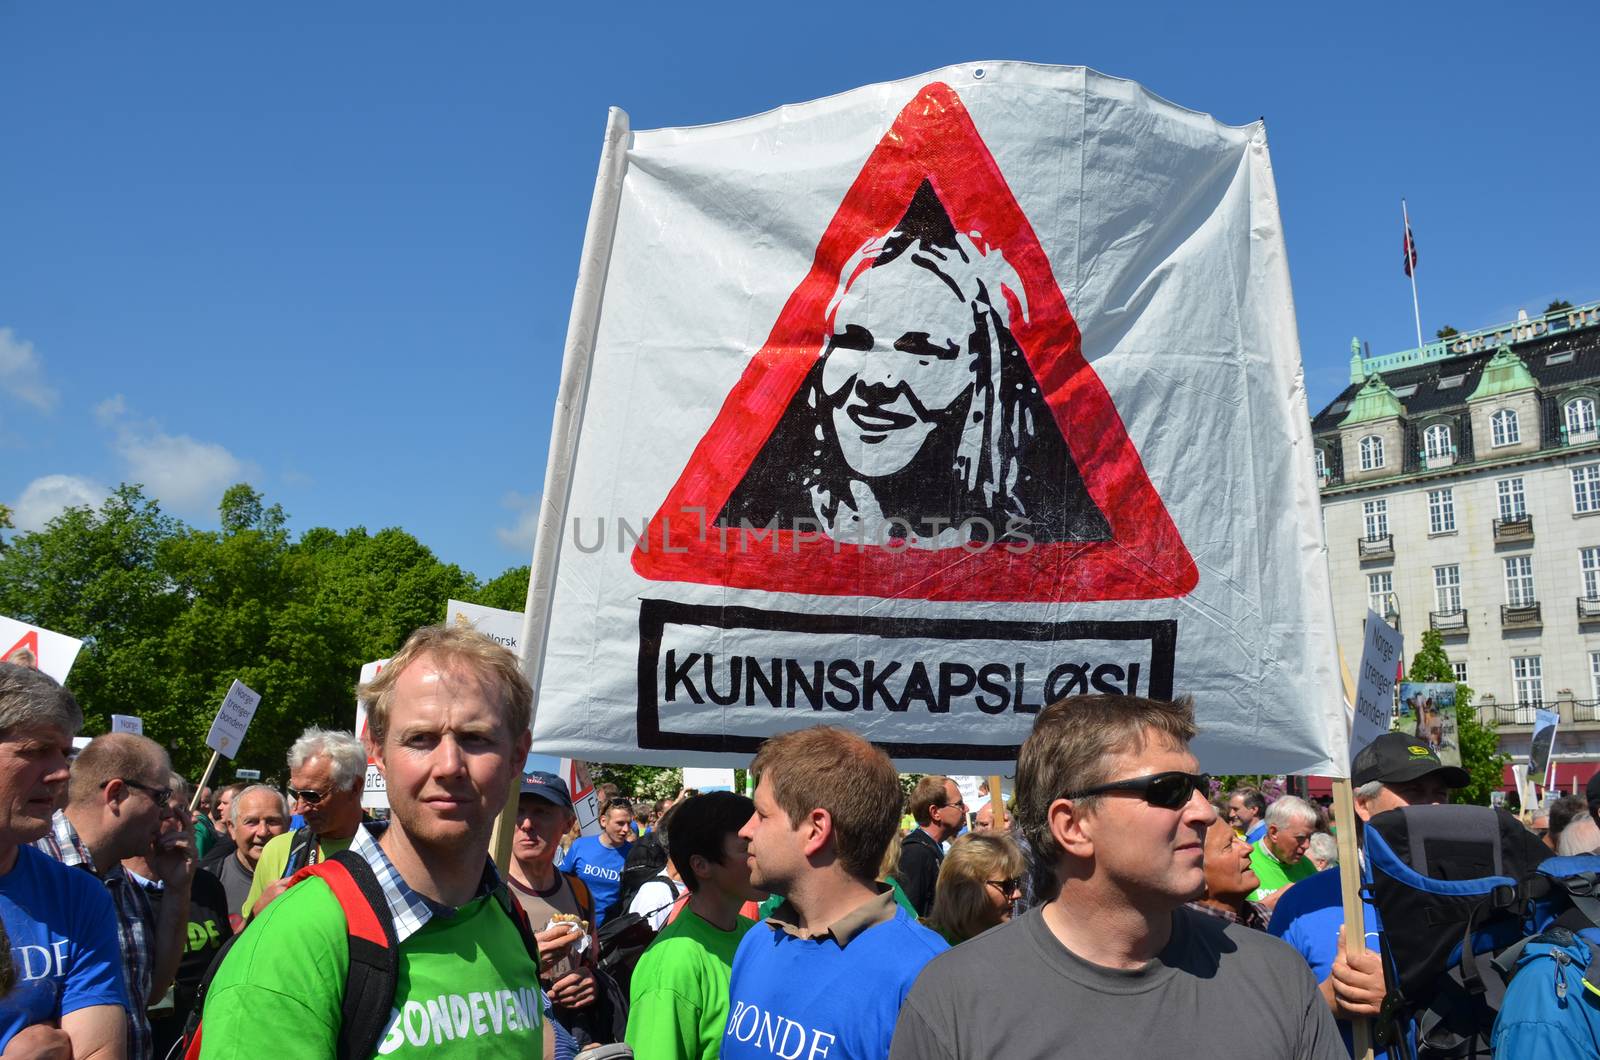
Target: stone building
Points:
(1461, 491)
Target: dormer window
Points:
(1371, 453)
(1504, 428)
(1436, 441)
(1579, 414)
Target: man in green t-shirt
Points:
(327, 771)
(1279, 857)
(448, 727)
(680, 987)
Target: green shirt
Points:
(1274, 874)
(275, 858)
(680, 990)
(467, 986)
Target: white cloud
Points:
(49, 496)
(22, 373)
(520, 534)
(183, 473)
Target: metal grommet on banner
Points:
(978, 72)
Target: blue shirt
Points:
(1309, 916)
(601, 869)
(64, 946)
(1256, 834)
(795, 997)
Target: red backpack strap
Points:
(374, 951)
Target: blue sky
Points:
(329, 249)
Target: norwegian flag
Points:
(1410, 249)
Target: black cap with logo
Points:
(1395, 758)
(547, 786)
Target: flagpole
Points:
(1411, 270)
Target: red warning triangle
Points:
(30, 642)
(1012, 438)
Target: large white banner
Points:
(916, 408)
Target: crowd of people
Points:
(1117, 902)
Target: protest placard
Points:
(881, 423)
(247, 774)
(704, 779)
(1428, 712)
(375, 793)
(1381, 653)
(43, 649)
(502, 626)
(233, 718)
(127, 723)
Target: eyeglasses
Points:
(159, 796)
(1169, 791)
(307, 795)
(1007, 888)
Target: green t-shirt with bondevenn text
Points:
(467, 986)
(1274, 874)
(275, 858)
(679, 995)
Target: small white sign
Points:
(501, 626)
(37, 647)
(247, 774)
(1380, 662)
(127, 723)
(233, 718)
(375, 793)
(705, 778)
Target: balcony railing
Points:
(1380, 546)
(1589, 609)
(1450, 623)
(1518, 529)
(1520, 616)
(1586, 710)
(1517, 714)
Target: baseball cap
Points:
(1395, 758)
(547, 786)
(1591, 792)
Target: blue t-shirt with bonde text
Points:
(811, 999)
(600, 868)
(64, 947)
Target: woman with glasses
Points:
(979, 882)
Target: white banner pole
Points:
(576, 359)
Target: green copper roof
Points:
(1504, 374)
(1374, 401)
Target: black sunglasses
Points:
(1007, 887)
(1169, 791)
(157, 795)
(307, 795)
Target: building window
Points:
(1586, 489)
(1380, 593)
(1441, 511)
(1436, 441)
(1519, 581)
(1376, 516)
(1447, 588)
(1322, 463)
(1594, 676)
(1527, 679)
(1513, 502)
(1460, 669)
(1589, 564)
(1503, 428)
(1371, 453)
(1580, 416)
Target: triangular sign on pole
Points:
(1054, 447)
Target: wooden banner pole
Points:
(204, 779)
(997, 804)
(1355, 918)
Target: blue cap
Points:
(549, 787)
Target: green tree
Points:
(1557, 306)
(1446, 332)
(5, 524)
(1480, 748)
(508, 591)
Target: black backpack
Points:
(645, 861)
(625, 936)
(1456, 887)
(374, 955)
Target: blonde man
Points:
(448, 727)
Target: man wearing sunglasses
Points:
(1111, 800)
(327, 771)
(117, 795)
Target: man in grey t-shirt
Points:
(1113, 965)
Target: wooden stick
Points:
(1355, 916)
(204, 778)
(997, 805)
